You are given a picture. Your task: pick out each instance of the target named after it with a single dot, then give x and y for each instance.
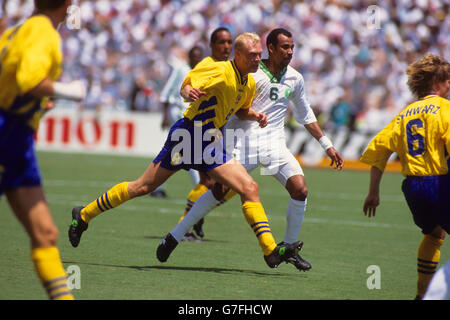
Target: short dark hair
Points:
(48, 4)
(272, 38)
(195, 48)
(213, 38)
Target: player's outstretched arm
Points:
(74, 90)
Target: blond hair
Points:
(424, 73)
(241, 40)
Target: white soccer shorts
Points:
(274, 158)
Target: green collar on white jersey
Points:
(274, 78)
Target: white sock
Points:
(195, 177)
(294, 219)
(201, 207)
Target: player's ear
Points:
(270, 48)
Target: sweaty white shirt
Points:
(272, 97)
(253, 146)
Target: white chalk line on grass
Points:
(264, 192)
(146, 207)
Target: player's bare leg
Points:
(31, 209)
(153, 177)
(234, 175)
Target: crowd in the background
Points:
(352, 54)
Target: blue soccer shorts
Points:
(429, 201)
(18, 162)
(192, 146)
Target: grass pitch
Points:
(117, 254)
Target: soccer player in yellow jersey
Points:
(420, 135)
(30, 62)
(196, 141)
(221, 43)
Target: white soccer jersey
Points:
(267, 146)
(171, 92)
(272, 97)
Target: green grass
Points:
(117, 254)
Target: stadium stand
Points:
(351, 53)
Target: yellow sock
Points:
(257, 219)
(111, 199)
(428, 257)
(230, 194)
(195, 193)
(51, 273)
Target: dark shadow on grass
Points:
(196, 269)
(200, 240)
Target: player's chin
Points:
(253, 69)
(225, 56)
(286, 61)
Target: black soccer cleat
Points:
(77, 227)
(165, 248)
(198, 228)
(300, 263)
(282, 253)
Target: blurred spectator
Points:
(124, 47)
(341, 112)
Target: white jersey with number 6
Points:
(267, 146)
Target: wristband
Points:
(74, 90)
(325, 142)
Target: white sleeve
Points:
(170, 86)
(302, 110)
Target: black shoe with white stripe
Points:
(165, 248)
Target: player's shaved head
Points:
(48, 4)
(241, 41)
(247, 54)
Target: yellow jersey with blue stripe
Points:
(29, 53)
(226, 92)
(419, 134)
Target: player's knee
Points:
(207, 182)
(47, 236)
(250, 189)
(300, 193)
(53, 235)
(140, 189)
